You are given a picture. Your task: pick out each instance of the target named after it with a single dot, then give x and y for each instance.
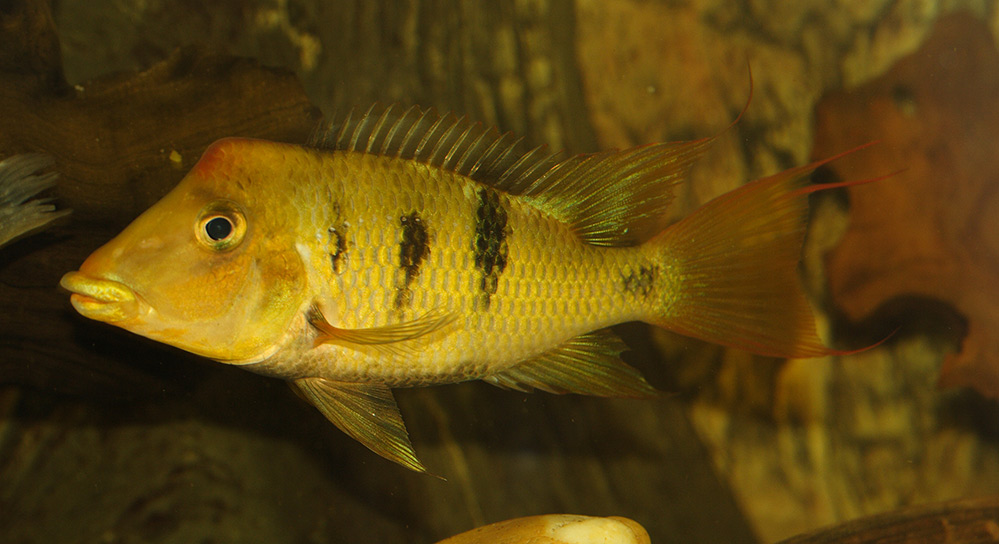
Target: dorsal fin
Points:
(616, 198)
(613, 198)
(446, 141)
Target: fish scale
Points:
(547, 266)
(406, 248)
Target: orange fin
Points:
(588, 364)
(419, 328)
(619, 198)
(733, 268)
(366, 412)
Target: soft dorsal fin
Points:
(616, 198)
(613, 198)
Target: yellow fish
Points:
(405, 248)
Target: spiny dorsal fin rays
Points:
(363, 133)
(522, 174)
(376, 131)
(615, 198)
(449, 141)
(446, 141)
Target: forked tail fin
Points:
(733, 268)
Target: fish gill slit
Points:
(414, 246)
(490, 244)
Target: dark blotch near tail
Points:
(490, 242)
(641, 281)
(413, 249)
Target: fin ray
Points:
(736, 260)
(442, 140)
(367, 413)
(588, 364)
(377, 135)
(424, 325)
(615, 198)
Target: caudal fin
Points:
(733, 264)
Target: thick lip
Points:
(101, 299)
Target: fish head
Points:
(212, 268)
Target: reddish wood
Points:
(933, 230)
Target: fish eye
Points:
(221, 225)
(218, 228)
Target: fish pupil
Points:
(218, 228)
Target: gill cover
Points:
(211, 268)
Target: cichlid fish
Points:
(19, 181)
(405, 248)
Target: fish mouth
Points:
(101, 299)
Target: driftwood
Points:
(932, 228)
(119, 144)
(968, 521)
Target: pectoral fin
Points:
(419, 328)
(366, 412)
(588, 364)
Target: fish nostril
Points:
(151, 243)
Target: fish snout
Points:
(101, 299)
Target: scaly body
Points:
(389, 240)
(406, 248)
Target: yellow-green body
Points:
(553, 286)
(407, 248)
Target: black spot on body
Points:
(337, 247)
(414, 246)
(641, 281)
(336, 242)
(490, 245)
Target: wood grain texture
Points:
(111, 140)
(967, 521)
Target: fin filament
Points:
(734, 268)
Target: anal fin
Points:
(366, 412)
(588, 364)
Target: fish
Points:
(19, 181)
(401, 247)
